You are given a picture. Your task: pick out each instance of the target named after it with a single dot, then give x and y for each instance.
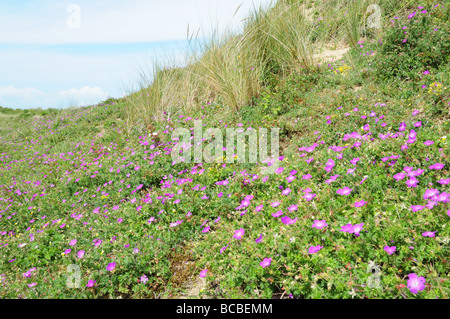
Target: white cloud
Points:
(24, 92)
(18, 97)
(84, 96)
(33, 98)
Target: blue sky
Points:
(64, 53)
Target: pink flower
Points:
(239, 233)
(309, 196)
(275, 204)
(437, 166)
(206, 229)
(399, 176)
(223, 249)
(287, 220)
(344, 191)
(73, 242)
(357, 229)
(80, 254)
(278, 213)
(415, 284)
(412, 182)
(428, 234)
(347, 228)
(203, 273)
(91, 283)
(314, 249)
(111, 266)
(360, 203)
(319, 224)
(266, 262)
(144, 279)
(390, 250)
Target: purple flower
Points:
(314, 249)
(344, 191)
(223, 249)
(428, 234)
(73, 242)
(437, 166)
(287, 220)
(111, 266)
(259, 208)
(347, 228)
(32, 285)
(286, 191)
(90, 283)
(309, 196)
(266, 262)
(360, 203)
(80, 254)
(67, 251)
(307, 176)
(430, 193)
(259, 239)
(444, 181)
(319, 224)
(390, 250)
(28, 273)
(203, 273)
(399, 176)
(97, 242)
(206, 229)
(416, 208)
(278, 213)
(415, 284)
(357, 229)
(428, 142)
(144, 279)
(275, 204)
(412, 182)
(290, 178)
(239, 233)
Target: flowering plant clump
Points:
(359, 194)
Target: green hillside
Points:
(358, 208)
